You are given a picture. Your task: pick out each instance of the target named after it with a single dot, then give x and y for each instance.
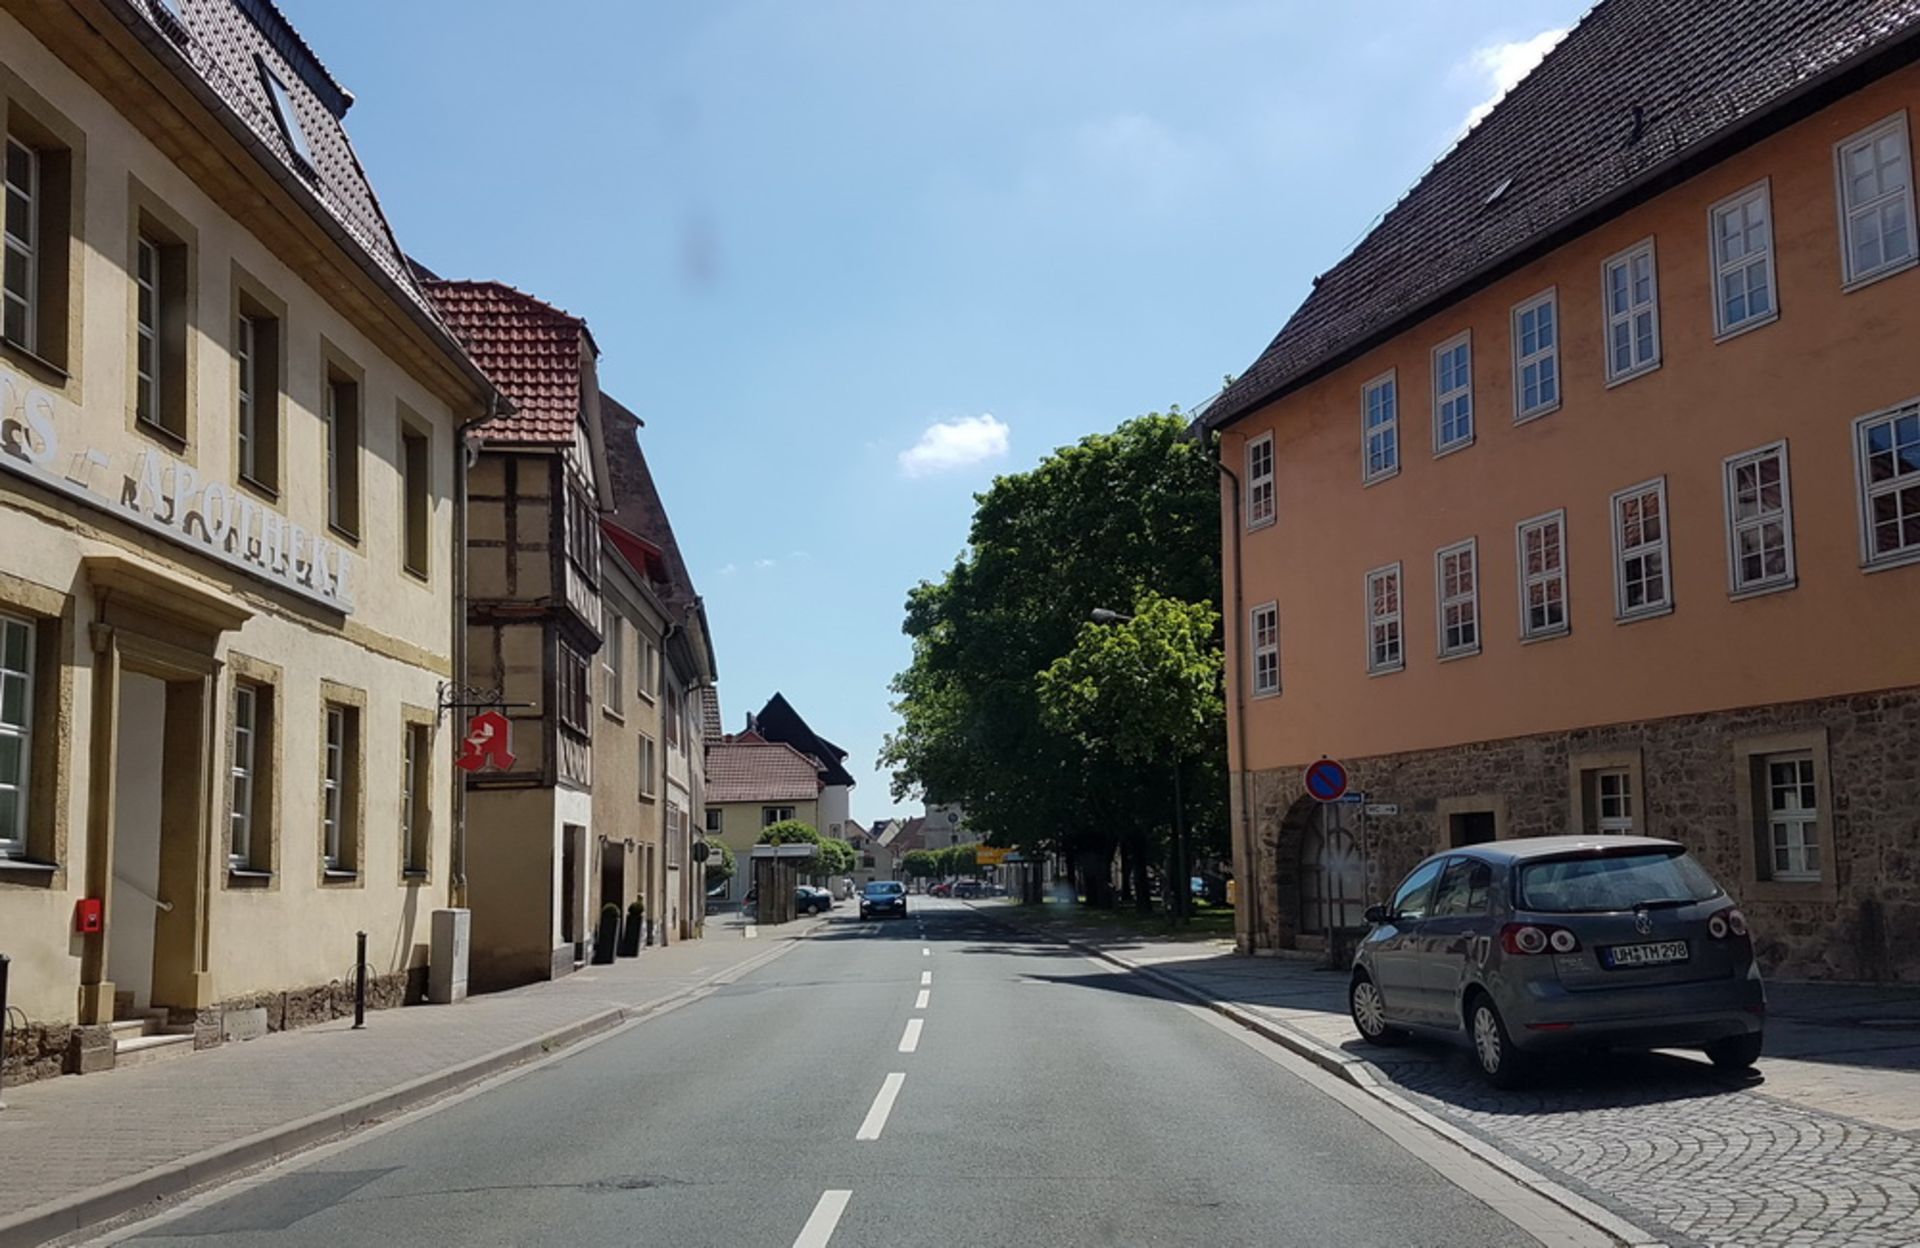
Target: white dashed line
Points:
(910, 1041)
(752, 931)
(925, 952)
(825, 1216)
(920, 1002)
(876, 1120)
(926, 977)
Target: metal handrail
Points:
(164, 905)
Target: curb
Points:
(1368, 1078)
(69, 1214)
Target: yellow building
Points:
(751, 783)
(228, 423)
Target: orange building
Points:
(1584, 494)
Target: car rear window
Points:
(1602, 882)
(885, 890)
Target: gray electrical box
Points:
(447, 972)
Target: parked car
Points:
(942, 889)
(967, 888)
(810, 900)
(1545, 944)
(887, 897)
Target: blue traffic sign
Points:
(1327, 780)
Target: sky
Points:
(850, 259)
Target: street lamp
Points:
(1179, 888)
(1103, 615)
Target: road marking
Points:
(925, 952)
(926, 977)
(825, 1216)
(876, 1120)
(910, 1041)
(920, 1002)
(752, 931)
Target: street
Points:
(937, 1080)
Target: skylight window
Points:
(283, 112)
(1493, 196)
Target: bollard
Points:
(6, 1020)
(360, 983)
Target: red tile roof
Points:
(531, 349)
(759, 771)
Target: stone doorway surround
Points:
(167, 627)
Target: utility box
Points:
(447, 970)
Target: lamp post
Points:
(1181, 884)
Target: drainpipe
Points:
(1249, 893)
(457, 872)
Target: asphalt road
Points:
(1008, 1092)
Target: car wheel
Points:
(1370, 1013)
(1735, 1053)
(1503, 1065)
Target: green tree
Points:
(720, 863)
(836, 858)
(832, 856)
(1098, 523)
(921, 864)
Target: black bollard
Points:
(360, 983)
(5, 1020)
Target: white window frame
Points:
(649, 669)
(1663, 547)
(1800, 824)
(1389, 428)
(410, 793)
(1262, 506)
(284, 112)
(1721, 268)
(1869, 490)
(1556, 522)
(1467, 601)
(613, 666)
(246, 341)
(1263, 633)
(775, 811)
(1461, 394)
(649, 765)
(243, 768)
(1609, 318)
(1737, 583)
(1395, 620)
(13, 840)
(1548, 355)
(715, 820)
(332, 786)
(26, 242)
(1850, 279)
(1620, 824)
(146, 330)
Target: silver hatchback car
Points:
(1561, 942)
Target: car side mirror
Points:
(1377, 915)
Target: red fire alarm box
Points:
(89, 915)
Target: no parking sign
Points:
(1327, 780)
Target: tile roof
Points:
(533, 351)
(759, 771)
(1639, 89)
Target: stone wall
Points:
(1861, 922)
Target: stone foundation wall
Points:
(1861, 922)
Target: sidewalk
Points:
(1823, 1148)
(78, 1149)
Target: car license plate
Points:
(1659, 953)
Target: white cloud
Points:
(951, 444)
(763, 563)
(1501, 66)
(730, 569)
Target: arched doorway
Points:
(1333, 880)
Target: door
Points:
(1332, 875)
(1454, 936)
(137, 808)
(1395, 945)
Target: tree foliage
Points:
(720, 863)
(1146, 689)
(831, 856)
(921, 864)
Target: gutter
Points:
(1247, 901)
(462, 455)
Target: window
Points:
(613, 665)
(244, 748)
(1411, 899)
(672, 718)
(1759, 520)
(416, 806)
(583, 535)
(1382, 429)
(1633, 314)
(283, 112)
(649, 669)
(16, 732)
(1793, 817)
(714, 817)
(342, 416)
(1385, 652)
(1260, 504)
(649, 766)
(256, 417)
(1536, 357)
(1888, 454)
(416, 486)
(575, 692)
(1452, 395)
(19, 292)
(246, 408)
(1465, 889)
(1543, 575)
(1875, 173)
(1640, 582)
(1457, 577)
(1613, 799)
(1266, 650)
(770, 815)
(146, 350)
(1743, 261)
(339, 797)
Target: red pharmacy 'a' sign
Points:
(489, 739)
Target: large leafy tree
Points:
(1100, 523)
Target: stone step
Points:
(154, 1048)
(132, 1028)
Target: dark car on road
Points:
(808, 899)
(883, 897)
(1560, 943)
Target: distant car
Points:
(888, 897)
(967, 888)
(810, 900)
(942, 889)
(1561, 942)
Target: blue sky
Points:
(850, 259)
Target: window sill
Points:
(1546, 634)
(1450, 655)
(36, 363)
(346, 535)
(1527, 418)
(418, 574)
(1747, 327)
(1264, 695)
(256, 486)
(333, 875)
(1848, 287)
(248, 873)
(1761, 591)
(1905, 558)
(1633, 374)
(414, 875)
(176, 442)
(618, 717)
(1378, 477)
(27, 866)
(1386, 671)
(649, 798)
(1648, 613)
(1441, 452)
(1256, 525)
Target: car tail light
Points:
(1532, 938)
(1729, 922)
